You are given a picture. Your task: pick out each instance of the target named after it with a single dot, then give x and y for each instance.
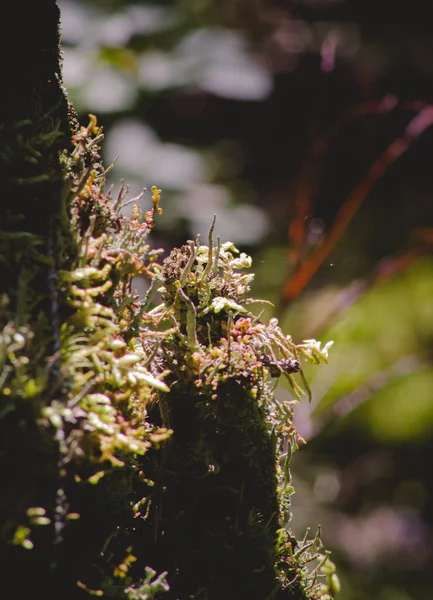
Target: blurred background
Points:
(306, 126)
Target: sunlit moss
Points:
(233, 441)
(212, 507)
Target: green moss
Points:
(221, 493)
(75, 383)
(92, 386)
(94, 380)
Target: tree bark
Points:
(36, 124)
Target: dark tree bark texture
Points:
(36, 123)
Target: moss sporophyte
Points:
(171, 406)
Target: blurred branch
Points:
(307, 269)
(308, 179)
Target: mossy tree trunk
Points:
(216, 523)
(35, 116)
(35, 125)
(51, 321)
(81, 362)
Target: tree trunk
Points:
(81, 361)
(36, 124)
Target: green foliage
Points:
(395, 319)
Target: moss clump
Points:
(76, 379)
(221, 500)
(92, 387)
